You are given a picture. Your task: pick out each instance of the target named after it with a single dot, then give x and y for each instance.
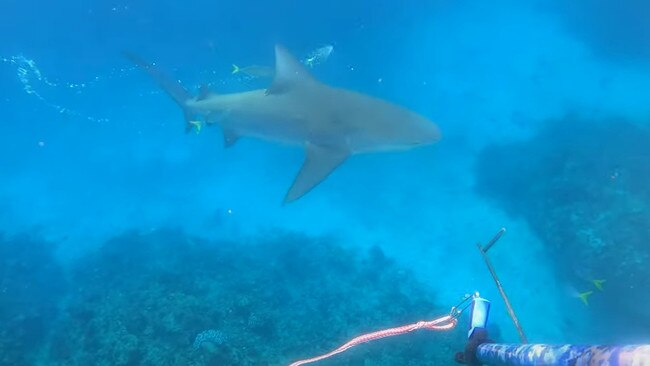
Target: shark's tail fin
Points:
(172, 87)
(235, 69)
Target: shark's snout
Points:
(430, 134)
(426, 133)
(411, 135)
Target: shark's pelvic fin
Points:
(289, 72)
(229, 137)
(320, 161)
(204, 92)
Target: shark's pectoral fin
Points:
(229, 137)
(320, 161)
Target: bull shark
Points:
(330, 123)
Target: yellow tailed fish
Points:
(196, 125)
(584, 296)
(598, 284)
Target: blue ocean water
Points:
(127, 241)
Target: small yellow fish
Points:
(598, 284)
(584, 296)
(254, 71)
(196, 125)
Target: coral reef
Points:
(215, 337)
(167, 299)
(31, 286)
(583, 187)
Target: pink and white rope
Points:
(443, 323)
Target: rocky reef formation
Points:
(584, 187)
(31, 286)
(167, 299)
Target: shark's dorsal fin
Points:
(320, 161)
(289, 72)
